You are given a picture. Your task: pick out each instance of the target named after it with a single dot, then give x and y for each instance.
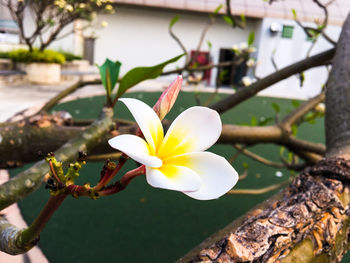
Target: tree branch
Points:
(248, 92)
(26, 182)
(337, 116)
(259, 191)
(258, 158)
(298, 113)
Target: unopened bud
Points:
(168, 98)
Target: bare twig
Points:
(235, 23)
(257, 157)
(299, 112)
(178, 41)
(257, 191)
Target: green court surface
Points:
(144, 224)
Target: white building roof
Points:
(306, 10)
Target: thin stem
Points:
(127, 178)
(123, 182)
(304, 108)
(52, 169)
(106, 179)
(257, 157)
(32, 233)
(257, 191)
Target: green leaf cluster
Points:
(109, 72)
(46, 56)
(136, 75)
(251, 38)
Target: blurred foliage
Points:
(46, 56)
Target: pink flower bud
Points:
(168, 98)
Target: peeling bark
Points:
(309, 221)
(314, 207)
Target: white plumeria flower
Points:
(235, 48)
(177, 161)
(321, 107)
(104, 24)
(247, 81)
(250, 63)
(243, 45)
(251, 49)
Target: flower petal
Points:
(173, 177)
(147, 120)
(216, 174)
(194, 130)
(136, 148)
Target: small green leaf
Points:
(321, 27)
(173, 21)
(251, 38)
(276, 107)
(109, 72)
(209, 44)
(294, 130)
(216, 11)
(136, 75)
(302, 78)
(228, 20)
(264, 121)
(245, 165)
(253, 121)
(295, 103)
(243, 20)
(282, 148)
(294, 14)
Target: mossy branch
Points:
(28, 181)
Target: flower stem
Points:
(123, 182)
(126, 179)
(31, 234)
(106, 179)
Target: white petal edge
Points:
(216, 174)
(200, 126)
(147, 120)
(186, 179)
(136, 148)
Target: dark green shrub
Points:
(46, 56)
(70, 56)
(4, 54)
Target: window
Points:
(287, 31)
(230, 75)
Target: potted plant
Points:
(42, 67)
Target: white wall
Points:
(287, 52)
(139, 37)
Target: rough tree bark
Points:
(309, 221)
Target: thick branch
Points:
(338, 98)
(248, 92)
(311, 213)
(32, 139)
(26, 182)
